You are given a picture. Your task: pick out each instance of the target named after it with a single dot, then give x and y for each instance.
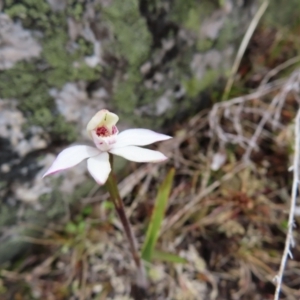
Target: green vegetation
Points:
(29, 82)
(157, 217)
(132, 43)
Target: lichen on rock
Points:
(17, 44)
(147, 60)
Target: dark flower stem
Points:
(112, 188)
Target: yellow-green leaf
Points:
(160, 206)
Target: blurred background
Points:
(220, 76)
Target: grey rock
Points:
(16, 43)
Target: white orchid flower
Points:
(105, 135)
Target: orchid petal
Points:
(138, 137)
(99, 167)
(70, 157)
(138, 154)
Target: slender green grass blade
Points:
(160, 206)
(168, 257)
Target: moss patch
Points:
(131, 44)
(191, 13)
(29, 82)
(283, 14)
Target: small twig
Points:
(289, 242)
(187, 209)
(84, 277)
(243, 47)
(260, 127)
(274, 109)
(45, 242)
(278, 69)
(233, 112)
(214, 114)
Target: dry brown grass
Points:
(229, 223)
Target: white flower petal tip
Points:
(166, 137)
(50, 172)
(138, 154)
(70, 157)
(162, 159)
(139, 137)
(99, 167)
